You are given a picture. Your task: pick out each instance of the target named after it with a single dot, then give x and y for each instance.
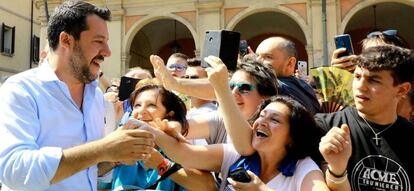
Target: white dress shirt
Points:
(38, 119)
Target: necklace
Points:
(376, 138)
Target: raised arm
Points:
(200, 88)
(236, 125)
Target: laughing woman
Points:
(285, 139)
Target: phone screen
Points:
(243, 48)
(303, 67)
(344, 41)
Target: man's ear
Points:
(292, 63)
(66, 40)
(404, 88)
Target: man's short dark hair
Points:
(179, 55)
(399, 61)
(71, 17)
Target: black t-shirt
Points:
(389, 166)
(300, 91)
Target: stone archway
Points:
(257, 24)
(154, 35)
(359, 21)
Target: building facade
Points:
(140, 28)
(19, 37)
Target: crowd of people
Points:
(63, 126)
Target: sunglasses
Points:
(177, 67)
(387, 33)
(243, 88)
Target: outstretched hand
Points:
(162, 74)
(171, 128)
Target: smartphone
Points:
(243, 48)
(240, 175)
(223, 44)
(344, 41)
(126, 87)
(303, 67)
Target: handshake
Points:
(136, 139)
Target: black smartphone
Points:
(344, 41)
(126, 87)
(243, 48)
(223, 44)
(240, 175)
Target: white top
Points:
(38, 119)
(279, 182)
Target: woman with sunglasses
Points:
(251, 83)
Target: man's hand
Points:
(127, 146)
(254, 184)
(336, 148)
(162, 74)
(343, 62)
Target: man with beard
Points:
(51, 118)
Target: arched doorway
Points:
(389, 15)
(160, 37)
(259, 26)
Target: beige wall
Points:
(18, 14)
(132, 17)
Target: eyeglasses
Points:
(387, 33)
(243, 88)
(191, 77)
(178, 67)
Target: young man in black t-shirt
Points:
(367, 146)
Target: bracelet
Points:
(164, 166)
(335, 178)
(335, 175)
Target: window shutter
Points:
(2, 38)
(35, 48)
(13, 37)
